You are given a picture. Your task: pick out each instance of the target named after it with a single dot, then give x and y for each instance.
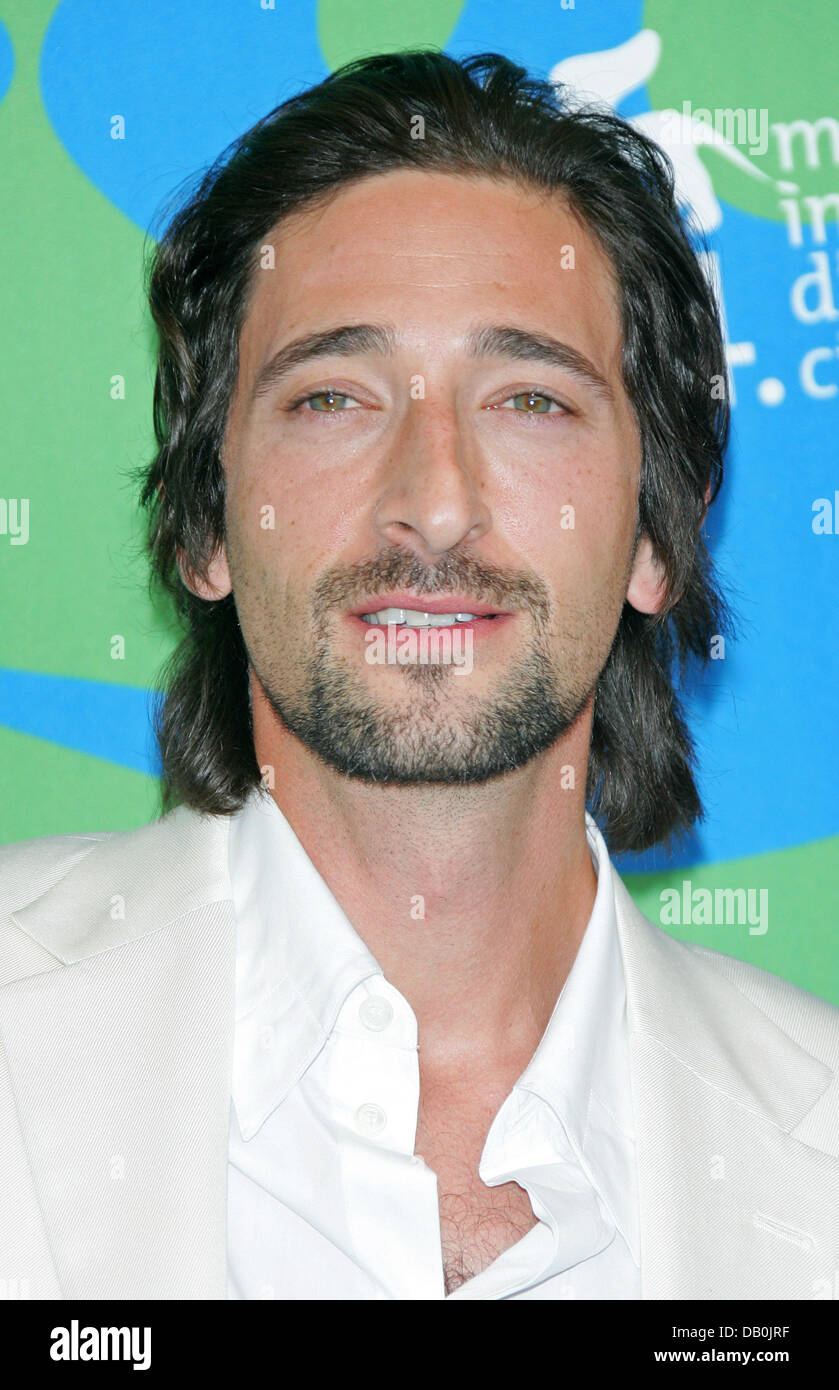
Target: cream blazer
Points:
(117, 976)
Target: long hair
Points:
(481, 116)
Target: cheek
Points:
(282, 532)
(286, 483)
(604, 493)
(577, 525)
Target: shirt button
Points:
(370, 1119)
(375, 1013)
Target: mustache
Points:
(396, 568)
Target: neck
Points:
(473, 899)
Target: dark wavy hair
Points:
(483, 116)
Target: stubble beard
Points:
(424, 742)
(426, 738)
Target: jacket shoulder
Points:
(30, 868)
(807, 1018)
(74, 895)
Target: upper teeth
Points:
(411, 617)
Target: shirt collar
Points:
(297, 958)
(581, 1067)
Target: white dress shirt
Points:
(326, 1197)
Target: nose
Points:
(430, 495)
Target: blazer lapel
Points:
(120, 1065)
(732, 1205)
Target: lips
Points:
(446, 603)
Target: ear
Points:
(215, 583)
(647, 581)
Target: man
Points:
(368, 1013)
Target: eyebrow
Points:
(489, 340)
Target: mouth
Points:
(413, 611)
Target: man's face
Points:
(413, 468)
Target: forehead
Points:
(433, 253)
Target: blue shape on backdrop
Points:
(7, 60)
(187, 79)
(105, 721)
